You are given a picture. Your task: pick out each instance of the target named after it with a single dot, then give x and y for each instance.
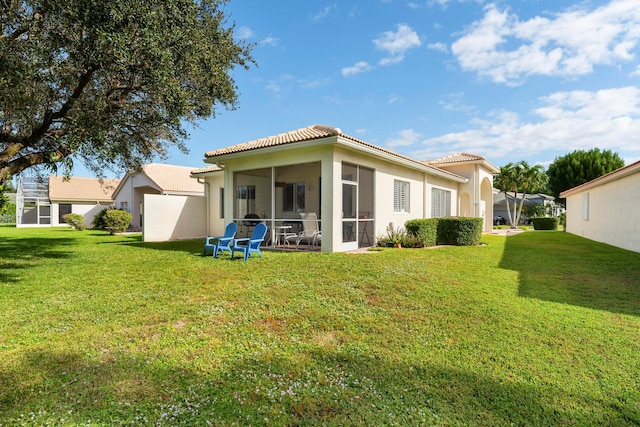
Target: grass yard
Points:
(540, 328)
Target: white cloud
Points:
(393, 98)
(567, 121)
(571, 43)
(440, 47)
(271, 41)
(397, 43)
(322, 13)
(405, 138)
(245, 33)
(359, 67)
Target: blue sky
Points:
(518, 80)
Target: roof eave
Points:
(621, 173)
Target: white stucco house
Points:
(355, 188)
(42, 202)
(606, 208)
(164, 202)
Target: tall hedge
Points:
(424, 230)
(457, 231)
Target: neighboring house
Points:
(144, 195)
(606, 208)
(357, 189)
(500, 205)
(44, 201)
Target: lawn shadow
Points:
(330, 388)
(564, 268)
(21, 253)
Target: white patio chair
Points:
(310, 231)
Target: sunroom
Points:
(317, 179)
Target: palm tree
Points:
(504, 180)
(529, 177)
(518, 177)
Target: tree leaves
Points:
(110, 83)
(579, 167)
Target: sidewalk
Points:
(507, 231)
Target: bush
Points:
(98, 220)
(545, 223)
(74, 220)
(116, 221)
(459, 231)
(425, 231)
(393, 237)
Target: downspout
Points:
(206, 192)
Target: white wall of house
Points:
(173, 217)
(215, 218)
(331, 158)
(607, 213)
(130, 195)
(87, 210)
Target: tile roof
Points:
(312, 133)
(82, 189)
(212, 168)
(298, 135)
(623, 172)
(172, 179)
(455, 158)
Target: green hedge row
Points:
(545, 223)
(457, 231)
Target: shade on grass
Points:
(541, 328)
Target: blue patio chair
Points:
(252, 243)
(222, 243)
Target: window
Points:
(293, 197)
(246, 196)
(400, 196)
(440, 203)
(63, 209)
(585, 206)
(124, 206)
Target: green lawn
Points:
(540, 328)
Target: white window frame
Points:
(440, 203)
(401, 196)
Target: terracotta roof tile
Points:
(298, 135)
(82, 189)
(212, 168)
(173, 179)
(310, 133)
(455, 158)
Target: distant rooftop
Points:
(81, 189)
(173, 179)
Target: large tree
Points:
(110, 83)
(580, 166)
(519, 179)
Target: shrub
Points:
(98, 220)
(545, 223)
(116, 221)
(425, 231)
(459, 231)
(563, 220)
(74, 220)
(393, 237)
